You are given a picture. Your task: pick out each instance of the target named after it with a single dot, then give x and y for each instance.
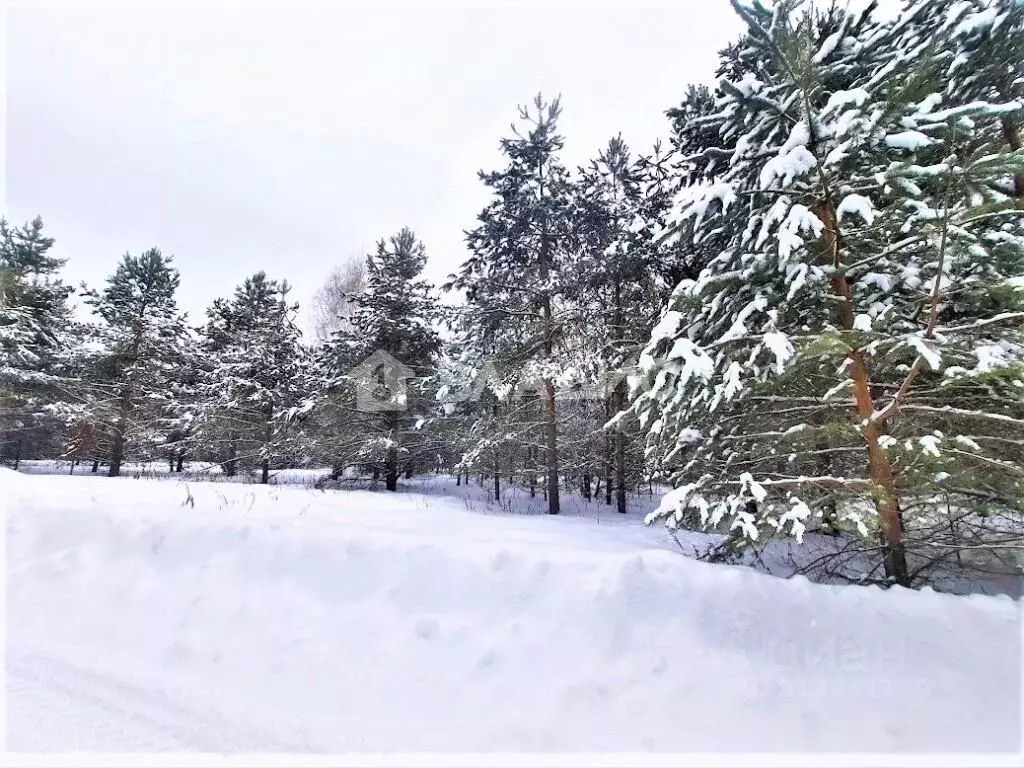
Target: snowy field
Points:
(781, 556)
(153, 615)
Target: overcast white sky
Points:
(286, 140)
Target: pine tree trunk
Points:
(531, 475)
(17, 455)
(408, 471)
(548, 334)
(618, 403)
(95, 466)
(458, 479)
(268, 436)
(1012, 134)
(391, 473)
(620, 451)
(117, 445)
(879, 466)
(880, 469)
(620, 472)
(391, 463)
(181, 461)
(607, 470)
(376, 473)
(607, 463)
(496, 457)
(551, 445)
(586, 486)
(231, 465)
(116, 453)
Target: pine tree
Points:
(868, 245)
(513, 281)
(140, 332)
(18, 329)
(17, 332)
(252, 377)
(34, 298)
(34, 319)
(459, 391)
(491, 425)
(184, 406)
(618, 296)
(86, 412)
(394, 315)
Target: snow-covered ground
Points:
(157, 615)
(826, 559)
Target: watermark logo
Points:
(381, 383)
(600, 385)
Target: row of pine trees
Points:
(805, 313)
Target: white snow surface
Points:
(857, 205)
(144, 615)
(909, 140)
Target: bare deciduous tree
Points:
(331, 308)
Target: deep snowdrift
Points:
(144, 616)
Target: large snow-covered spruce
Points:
(395, 316)
(139, 336)
(850, 358)
(34, 337)
(251, 376)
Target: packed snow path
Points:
(143, 616)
